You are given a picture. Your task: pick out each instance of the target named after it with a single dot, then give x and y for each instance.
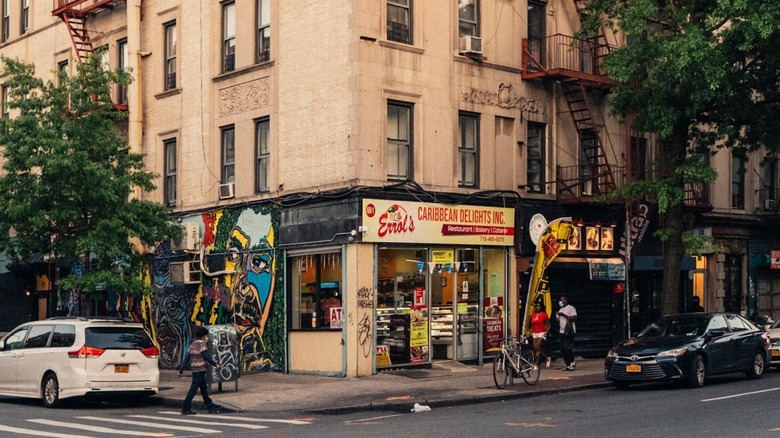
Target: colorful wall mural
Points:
(241, 285)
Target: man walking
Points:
(567, 315)
(197, 356)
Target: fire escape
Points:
(576, 64)
(75, 14)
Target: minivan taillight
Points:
(86, 352)
(150, 352)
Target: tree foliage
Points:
(68, 177)
(705, 75)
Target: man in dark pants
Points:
(566, 315)
(197, 356)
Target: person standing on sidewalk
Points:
(567, 315)
(540, 327)
(197, 357)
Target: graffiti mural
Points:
(240, 286)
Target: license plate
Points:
(633, 368)
(121, 368)
(775, 353)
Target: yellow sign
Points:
(443, 256)
(418, 334)
(416, 222)
(550, 245)
(382, 356)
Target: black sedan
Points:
(689, 347)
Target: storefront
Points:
(442, 277)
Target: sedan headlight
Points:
(672, 353)
(612, 354)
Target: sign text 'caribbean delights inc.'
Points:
(416, 222)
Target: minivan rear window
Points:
(117, 338)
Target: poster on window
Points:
(607, 239)
(575, 240)
(335, 317)
(592, 239)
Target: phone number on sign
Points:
(491, 238)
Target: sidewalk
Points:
(446, 383)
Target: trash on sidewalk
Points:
(420, 408)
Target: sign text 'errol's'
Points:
(398, 221)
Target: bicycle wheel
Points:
(529, 373)
(500, 370)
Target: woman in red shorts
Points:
(540, 327)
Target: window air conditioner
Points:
(470, 45)
(184, 272)
(227, 191)
(189, 238)
(770, 205)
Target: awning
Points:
(609, 269)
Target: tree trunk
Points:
(673, 152)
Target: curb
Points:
(407, 407)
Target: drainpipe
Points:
(134, 98)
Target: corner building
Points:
(356, 179)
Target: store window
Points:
(316, 282)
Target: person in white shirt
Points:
(567, 315)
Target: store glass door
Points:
(454, 303)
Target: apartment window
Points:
(769, 195)
(263, 30)
(122, 64)
(25, 19)
(62, 70)
(536, 145)
(170, 56)
(4, 103)
(399, 141)
(263, 153)
(737, 182)
(468, 149)
(468, 17)
(639, 158)
(104, 61)
(536, 32)
(171, 197)
(228, 154)
(6, 20)
(228, 37)
(399, 21)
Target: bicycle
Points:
(512, 361)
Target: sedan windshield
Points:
(676, 326)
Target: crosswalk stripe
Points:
(148, 424)
(191, 420)
(33, 432)
(96, 428)
(253, 420)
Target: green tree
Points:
(704, 75)
(68, 178)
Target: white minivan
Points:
(59, 358)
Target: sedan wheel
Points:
(51, 391)
(698, 373)
(757, 368)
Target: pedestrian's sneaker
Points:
(573, 365)
(547, 364)
(215, 410)
(188, 412)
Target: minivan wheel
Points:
(756, 369)
(51, 391)
(698, 372)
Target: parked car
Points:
(59, 358)
(689, 347)
(774, 334)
